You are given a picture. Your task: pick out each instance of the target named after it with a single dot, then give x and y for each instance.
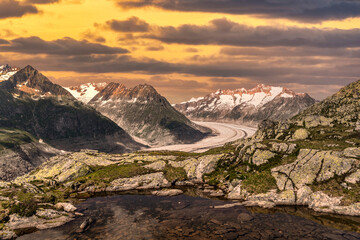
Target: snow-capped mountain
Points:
(6, 72)
(145, 114)
(86, 92)
(247, 106)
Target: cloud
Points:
(191, 50)
(133, 24)
(225, 32)
(291, 52)
(64, 46)
(13, 8)
(155, 48)
(89, 35)
(299, 10)
(42, 1)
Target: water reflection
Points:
(152, 217)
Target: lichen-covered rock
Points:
(206, 165)
(238, 193)
(159, 165)
(301, 134)
(148, 181)
(283, 147)
(352, 152)
(303, 195)
(353, 178)
(310, 166)
(61, 171)
(195, 168)
(49, 213)
(320, 200)
(18, 223)
(314, 121)
(262, 156)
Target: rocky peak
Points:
(32, 82)
(343, 107)
(87, 91)
(139, 93)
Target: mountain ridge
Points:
(246, 106)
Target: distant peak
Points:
(139, 93)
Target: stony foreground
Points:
(257, 171)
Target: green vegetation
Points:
(10, 138)
(259, 182)
(173, 174)
(26, 206)
(109, 173)
(333, 188)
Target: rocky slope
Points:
(86, 92)
(30, 102)
(6, 72)
(20, 152)
(247, 106)
(144, 113)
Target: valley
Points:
(222, 133)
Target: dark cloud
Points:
(155, 48)
(300, 10)
(3, 42)
(65, 46)
(221, 72)
(291, 52)
(191, 50)
(133, 24)
(12, 8)
(225, 32)
(42, 1)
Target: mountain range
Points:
(31, 102)
(247, 106)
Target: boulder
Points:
(262, 156)
(167, 192)
(310, 166)
(159, 165)
(148, 181)
(352, 152)
(314, 121)
(238, 193)
(301, 134)
(353, 178)
(68, 207)
(195, 168)
(283, 147)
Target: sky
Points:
(186, 48)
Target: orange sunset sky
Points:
(186, 48)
